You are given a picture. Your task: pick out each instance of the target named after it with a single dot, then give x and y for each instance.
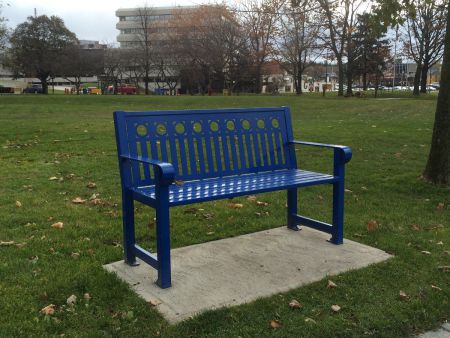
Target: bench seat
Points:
(232, 186)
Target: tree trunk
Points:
(298, 82)
(44, 85)
(424, 78)
(438, 165)
(349, 80)
(417, 80)
(340, 77)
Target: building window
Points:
(122, 18)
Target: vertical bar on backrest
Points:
(224, 145)
(255, 143)
(289, 151)
(201, 155)
(147, 177)
(207, 141)
(233, 147)
(215, 140)
(239, 135)
(262, 134)
(183, 156)
(271, 146)
(162, 143)
(192, 158)
(122, 148)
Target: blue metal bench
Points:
(170, 158)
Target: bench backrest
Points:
(206, 143)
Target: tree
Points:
(37, 46)
(78, 63)
(425, 33)
(297, 41)
(437, 169)
(3, 30)
(259, 19)
(438, 166)
(371, 49)
(339, 20)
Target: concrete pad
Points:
(241, 269)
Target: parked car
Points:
(126, 89)
(34, 89)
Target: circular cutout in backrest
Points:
(179, 128)
(214, 126)
(141, 130)
(230, 125)
(245, 124)
(197, 126)
(260, 124)
(161, 129)
(275, 123)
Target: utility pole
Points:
(395, 55)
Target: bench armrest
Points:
(344, 151)
(166, 171)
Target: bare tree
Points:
(297, 46)
(339, 20)
(113, 68)
(259, 19)
(425, 33)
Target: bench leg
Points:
(292, 209)
(337, 235)
(163, 238)
(128, 228)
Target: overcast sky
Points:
(88, 19)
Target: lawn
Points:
(70, 139)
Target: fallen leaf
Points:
(295, 304)
(18, 204)
(57, 225)
(53, 178)
(426, 252)
(210, 233)
(364, 188)
(310, 320)
(415, 227)
(445, 268)
(446, 253)
(154, 302)
(7, 243)
(92, 185)
(260, 203)
(235, 205)
(71, 300)
(335, 308)
(439, 226)
(403, 295)
(348, 190)
(93, 197)
(87, 296)
(96, 201)
(440, 206)
(48, 310)
(371, 225)
(440, 243)
(331, 284)
(436, 287)
(75, 254)
(78, 200)
(275, 323)
(179, 182)
(251, 198)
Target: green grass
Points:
(72, 138)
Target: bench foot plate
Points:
(294, 227)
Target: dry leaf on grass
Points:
(75, 254)
(403, 295)
(261, 203)
(7, 243)
(57, 225)
(331, 284)
(426, 252)
(275, 323)
(48, 310)
(78, 200)
(251, 198)
(96, 201)
(310, 320)
(72, 300)
(436, 287)
(18, 204)
(440, 206)
(444, 268)
(154, 302)
(371, 225)
(235, 205)
(415, 227)
(295, 304)
(53, 178)
(91, 185)
(446, 253)
(335, 308)
(87, 297)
